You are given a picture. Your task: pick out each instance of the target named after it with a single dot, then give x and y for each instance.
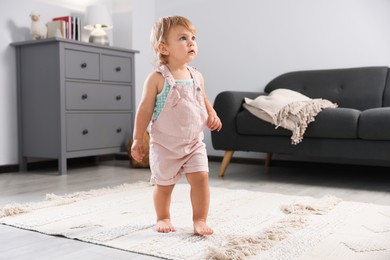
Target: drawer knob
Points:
(85, 131)
(119, 97)
(119, 130)
(84, 96)
(117, 69)
(83, 65)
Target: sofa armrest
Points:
(228, 104)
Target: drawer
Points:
(116, 68)
(86, 96)
(82, 65)
(96, 131)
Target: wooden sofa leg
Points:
(268, 160)
(225, 162)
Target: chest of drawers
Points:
(74, 99)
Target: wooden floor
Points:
(364, 184)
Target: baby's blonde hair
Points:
(160, 33)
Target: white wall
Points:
(243, 43)
(122, 16)
(143, 20)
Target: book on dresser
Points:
(69, 26)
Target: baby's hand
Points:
(137, 150)
(214, 123)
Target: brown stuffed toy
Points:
(145, 161)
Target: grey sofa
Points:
(358, 129)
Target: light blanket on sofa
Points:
(288, 109)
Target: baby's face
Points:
(181, 44)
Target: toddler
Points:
(174, 100)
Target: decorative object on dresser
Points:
(74, 99)
(97, 20)
(38, 28)
(56, 29)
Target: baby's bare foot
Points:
(200, 228)
(164, 226)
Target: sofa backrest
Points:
(358, 88)
(386, 94)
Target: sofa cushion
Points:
(335, 123)
(374, 124)
(248, 124)
(339, 123)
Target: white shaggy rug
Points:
(247, 224)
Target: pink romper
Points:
(176, 137)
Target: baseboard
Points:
(122, 156)
(213, 158)
(307, 164)
(9, 168)
(89, 160)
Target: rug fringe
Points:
(55, 200)
(14, 209)
(323, 206)
(239, 247)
